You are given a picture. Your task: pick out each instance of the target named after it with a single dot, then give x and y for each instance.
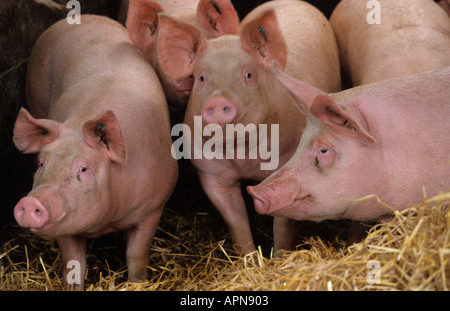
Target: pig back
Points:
(411, 37)
(313, 55)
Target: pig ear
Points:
(31, 134)
(303, 93)
(217, 18)
(142, 22)
(345, 120)
(179, 45)
(262, 37)
(103, 132)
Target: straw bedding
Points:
(193, 252)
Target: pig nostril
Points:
(226, 109)
(38, 212)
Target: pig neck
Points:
(398, 119)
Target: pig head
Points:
(213, 18)
(65, 188)
(365, 152)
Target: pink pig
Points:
(373, 52)
(387, 139)
(234, 85)
(213, 18)
(104, 162)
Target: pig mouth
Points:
(45, 231)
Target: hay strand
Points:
(412, 252)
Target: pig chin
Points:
(50, 229)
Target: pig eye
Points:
(82, 169)
(323, 151)
(248, 75)
(202, 78)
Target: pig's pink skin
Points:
(85, 75)
(413, 37)
(221, 68)
(388, 141)
(144, 29)
(371, 53)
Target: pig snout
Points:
(262, 205)
(273, 196)
(31, 213)
(219, 110)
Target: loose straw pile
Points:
(410, 253)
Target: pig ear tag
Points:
(214, 3)
(262, 32)
(100, 132)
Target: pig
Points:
(99, 122)
(375, 52)
(412, 37)
(213, 18)
(234, 85)
(366, 152)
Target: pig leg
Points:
(230, 203)
(73, 248)
(139, 241)
(284, 230)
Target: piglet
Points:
(234, 86)
(100, 124)
(365, 152)
(213, 18)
